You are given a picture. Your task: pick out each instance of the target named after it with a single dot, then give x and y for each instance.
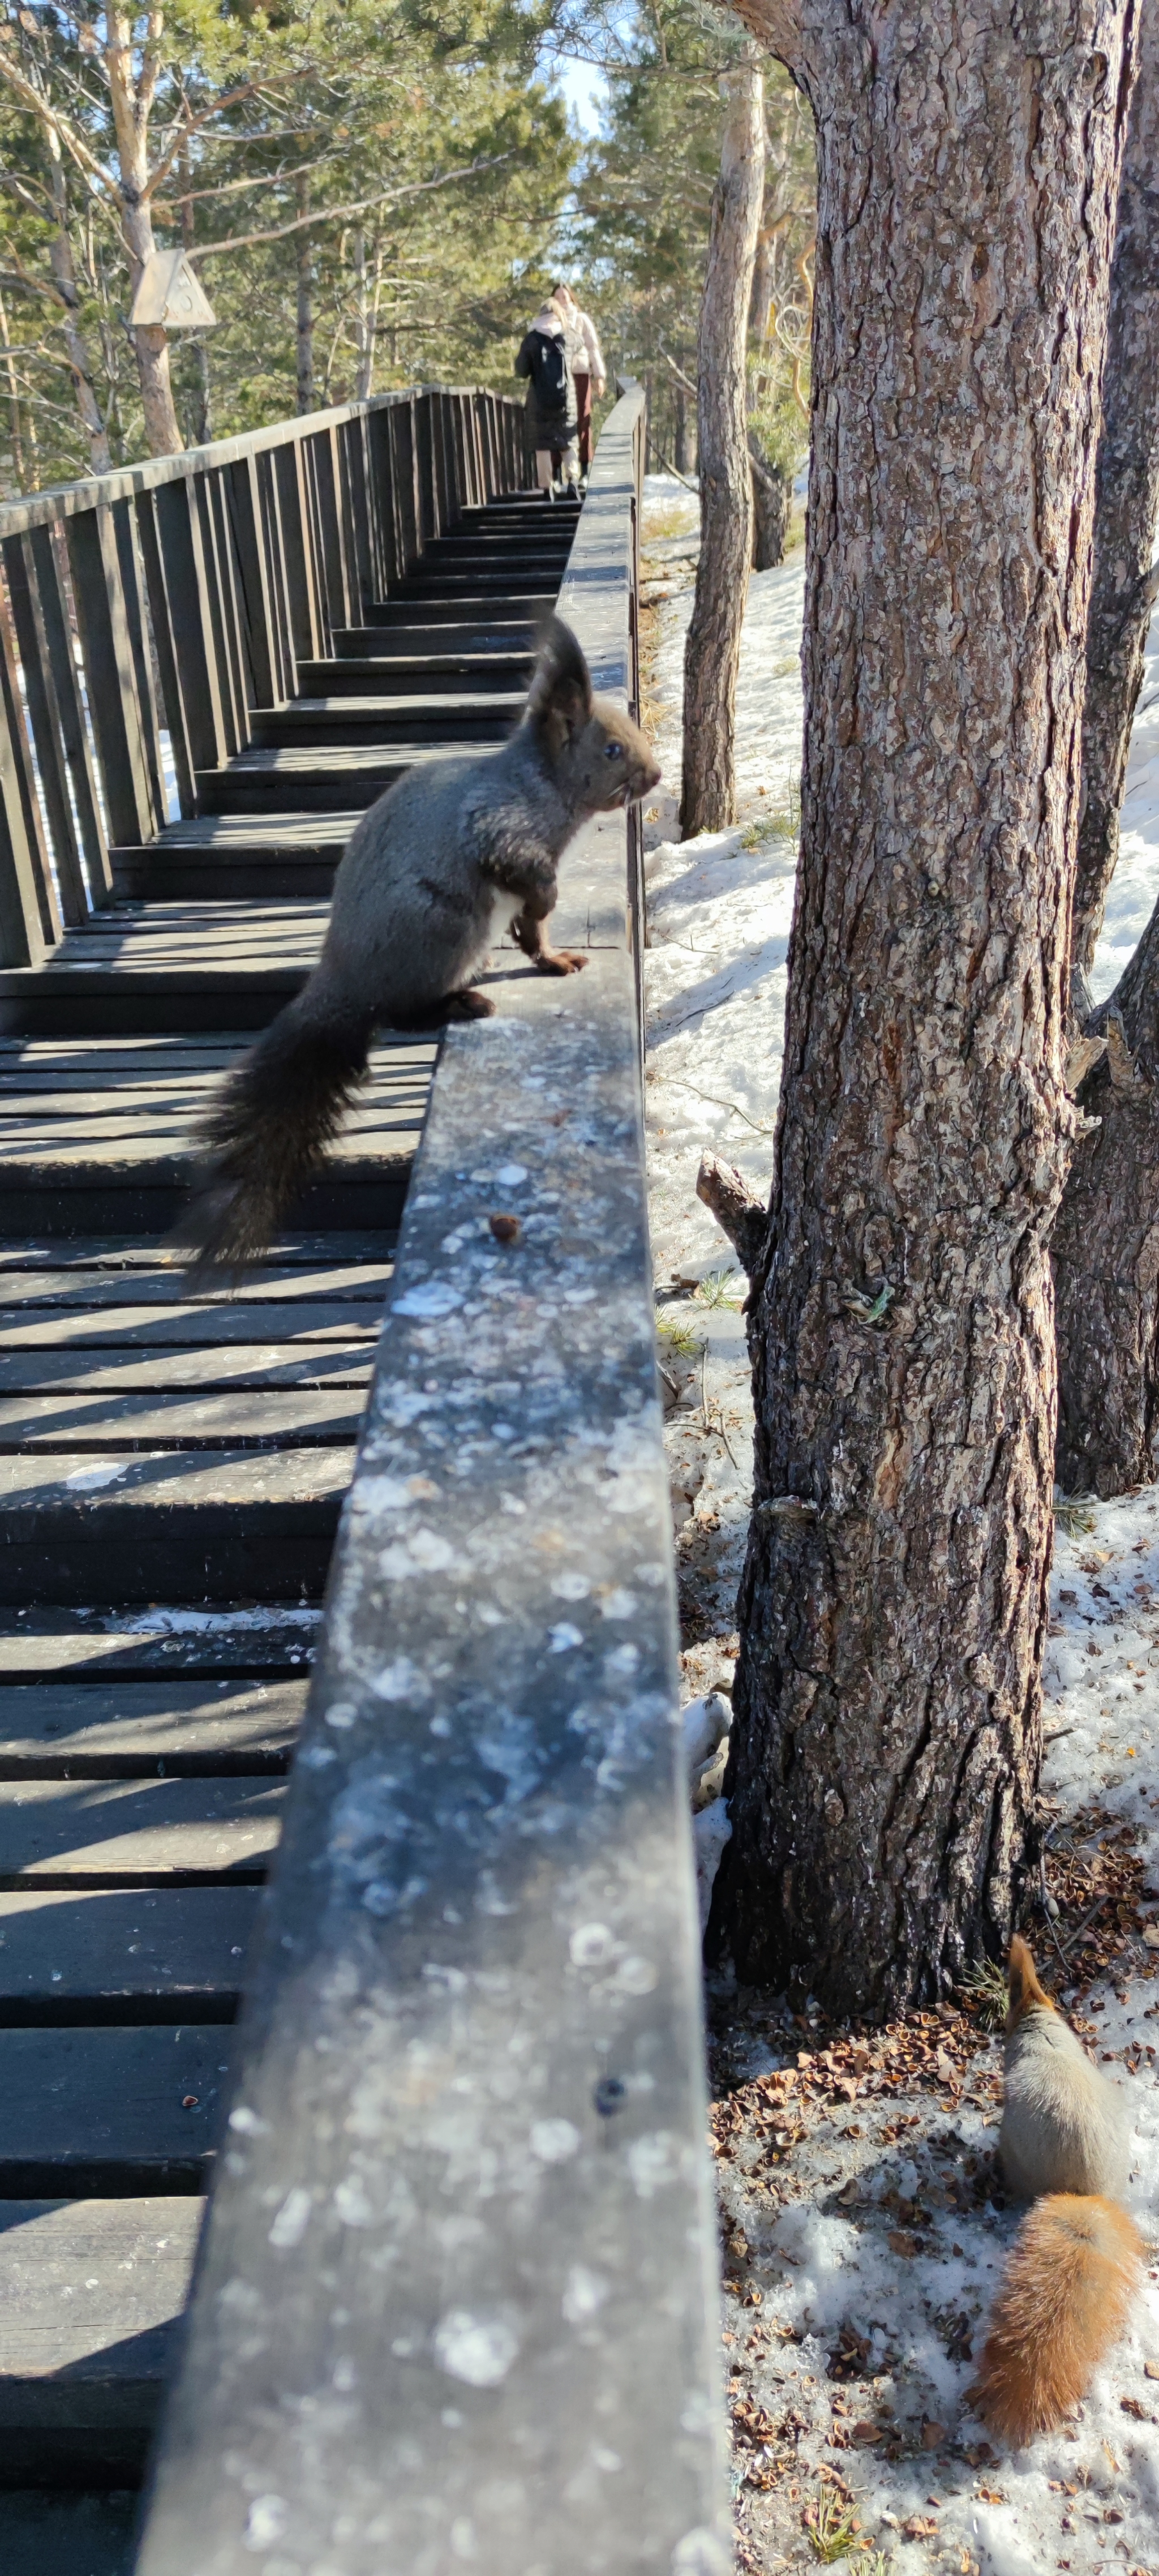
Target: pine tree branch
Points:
(341, 214)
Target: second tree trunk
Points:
(712, 652)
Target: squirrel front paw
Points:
(561, 961)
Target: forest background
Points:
(372, 196)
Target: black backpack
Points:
(548, 370)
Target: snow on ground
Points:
(863, 2221)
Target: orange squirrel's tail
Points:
(1064, 2301)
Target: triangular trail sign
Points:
(170, 292)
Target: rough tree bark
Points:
(306, 396)
(131, 98)
(712, 652)
(1106, 1243)
(1106, 1251)
(1126, 507)
(894, 1601)
(770, 513)
(682, 449)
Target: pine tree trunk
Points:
(131, 102)
(893, 1607)
(306, 397)
(681, 457)
(1106, 1251)
(771, 503)
(712, 652)
(1126, 507)
(16, 438)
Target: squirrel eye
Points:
(613, 751)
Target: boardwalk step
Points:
(400, 629)
(58, 2533)
(81, 1957)
(137, 1833)
(91, 2293)
(192, 1526)
(133, 1728)
(475, 716)
(110, 2111)
(438, 676)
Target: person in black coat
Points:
(551, 398)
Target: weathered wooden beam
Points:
(458, 2295)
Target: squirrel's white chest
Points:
(503, 910)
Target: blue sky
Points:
(584, 90)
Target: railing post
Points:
(191, 659)
(48, 564)
(47, 731)
(245, 513)
(111, 678)
(29, 922)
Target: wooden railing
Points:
(456, 2303)
(145, 615)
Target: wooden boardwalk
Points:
(173, 1469)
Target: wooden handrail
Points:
(145, 616)
(456, 2302)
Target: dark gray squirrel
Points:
(455, 853)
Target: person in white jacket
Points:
(585, 358)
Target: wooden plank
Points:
(98, 1288)
(110, 677)
(168, 664)
(88, 1648)
(200, 1323)
(93, 1832)
(91, 2296)
(243, 497)
(47, 733)
(180, 540)
(236, 1368)
(127, 1728)
(288, 1257)
(91, 2112)
(201, 1526)
(123, 1957)
(48, 557)
(137, 624)
(188, 1421)
(29, 921)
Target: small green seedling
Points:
(678, 1334)
(718, 1287)
(832, 2527)
(985, 1988)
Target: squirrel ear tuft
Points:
(1022, 1977)
(561, 684)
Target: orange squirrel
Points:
(1077, 2260)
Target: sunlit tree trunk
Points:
(1126, 507)
(132, 100)
(712, 652)
(306, 397)
(893, 1609)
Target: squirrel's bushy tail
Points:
(269, 1128)
(1063, 2302)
